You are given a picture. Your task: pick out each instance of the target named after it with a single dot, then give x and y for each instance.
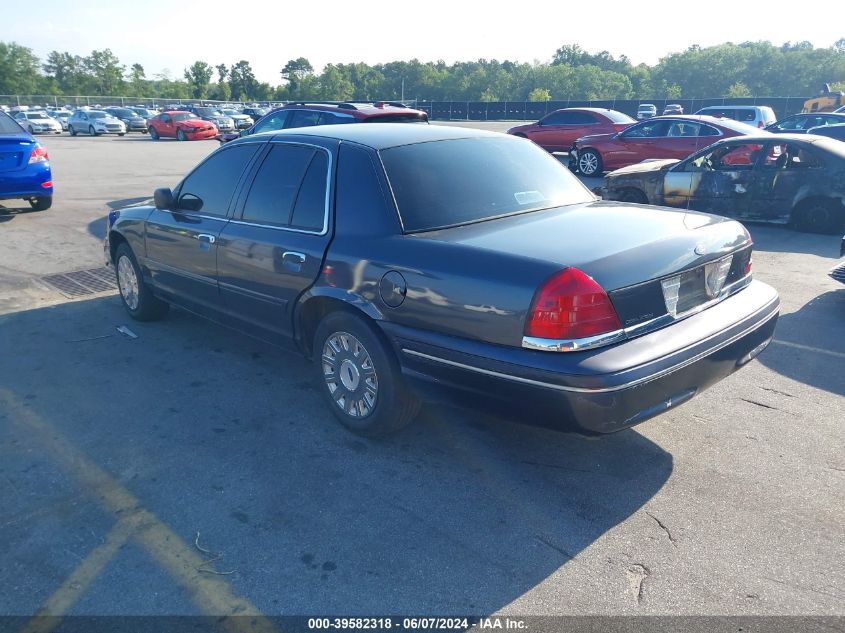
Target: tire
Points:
(41, 203)
(180, 135)
(121, 133)
(589, 163)
(633, 195)
(92, 131)
(71, 130)
(154, 134)
(818, 216)
(360, 378)
(135, 294)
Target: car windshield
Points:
(37, 115)
(452, 182)
(124, 112)
(186, 116)
(230, 112)
(208, 112)
(618, 117)
(8, 125)
(96, 114)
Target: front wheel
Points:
(92, 131)
(121, 133)
(633, 195)
(71, 130)
(41, 203)
(154, 134)
(589, 163)
(360, 377)
(135, 294)
(180, 135)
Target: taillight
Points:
(748, 265)
(39, 155)
(571, 305)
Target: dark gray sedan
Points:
(408, 260)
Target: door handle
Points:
(205, 237)
(292, 261)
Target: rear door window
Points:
(304, 118)
(273, 193)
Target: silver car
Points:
(38, 122)
(95, 123)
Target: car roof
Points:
(365, 109)
(384, 136)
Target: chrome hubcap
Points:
(587, 163)
(127, 281)
(350, 375)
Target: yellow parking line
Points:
(807, 348)
(48, 617)
(211, 594)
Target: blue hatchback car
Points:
(24, 166)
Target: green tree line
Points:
(733, 70)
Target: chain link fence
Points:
(445, 110)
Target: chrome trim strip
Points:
(572, 345)
(626, 385)
(579, 344)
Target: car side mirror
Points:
(163, 198)
(243, 133)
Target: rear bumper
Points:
(26, 183)
(606, 389)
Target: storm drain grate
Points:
(82, 282)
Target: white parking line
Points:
(808, 348)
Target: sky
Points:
(168, 36)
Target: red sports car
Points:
(184, 126)
(659, 137)
(557, 131)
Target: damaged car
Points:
(796, 179)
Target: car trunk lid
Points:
(628, 249)
(14, 152)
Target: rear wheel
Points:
(41, 203)
(633, 195)
(818, 216)
(180, 135)
(154, 134)
(136, 296)
(360, 377)
(589, 162)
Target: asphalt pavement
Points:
(127, 464)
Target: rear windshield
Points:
(422, 117)
(8, 125)
(618, 117)
(460, 181)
